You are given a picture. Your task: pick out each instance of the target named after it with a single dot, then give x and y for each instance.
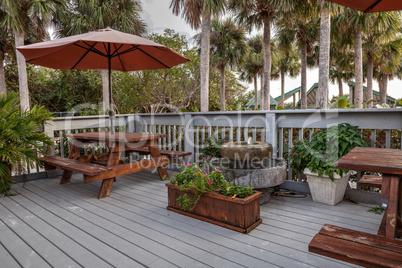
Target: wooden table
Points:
(389, 163)
(117, 143)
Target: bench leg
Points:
(392, 215)
(106, 188)
(74, 150)
(161, 170)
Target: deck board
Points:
(48, 224)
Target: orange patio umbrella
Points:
(368, 6)
(102, 49)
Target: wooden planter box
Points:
(239, 214)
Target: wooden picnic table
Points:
(389, 163)
(117, 143)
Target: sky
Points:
(158, 16)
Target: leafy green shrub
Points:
(193, 178)
(21, 136)
(325, 148)
(212, 148)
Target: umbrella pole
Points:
(111, 110)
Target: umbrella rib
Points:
(118, 55)
(372, 6)
(83, 56)
(155, 59)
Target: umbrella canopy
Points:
(102, 49)
(367, 6)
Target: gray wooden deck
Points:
(52, 225)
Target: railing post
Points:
(189, 136)
(48, 129)
(130, 124)
(271, 132)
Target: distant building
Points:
(251, 103)
(376, 96)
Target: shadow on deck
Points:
(52, 225)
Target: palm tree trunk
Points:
(3, 87)
(105, 85)
(205, 47)
(222, 70)
(255, 93)
(267, 61)
(22, 73)
(370, 64)
(282, 88)
(340, 86)
(262, 100)
(323, 77)
(358, 67)
(303, 55)
(383, 92)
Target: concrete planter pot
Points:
(324, 190)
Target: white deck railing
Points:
(187, 131)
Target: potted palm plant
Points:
(20, 138)
(211, 198)
(317, 157)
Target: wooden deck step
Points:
(357, 247)
(371, 181)
(168, 153)
(74, 165)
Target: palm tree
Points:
(303, 29)
(356, 22)
(324, 56)
(21, 18)
(198, 14)
(388, 62)
(287, 62)
(5, 47)
(260, 13)
(228, 48)
(383, 27)
(85, 16)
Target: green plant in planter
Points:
(325, 148)
(193, 178)
(21, 137)
(212, 148)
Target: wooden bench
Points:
(371, 181)
(357, 247)
(173, 155)
(89, 169)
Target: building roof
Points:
(251, 102)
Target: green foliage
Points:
(21, 135)
(377, 210)
(194, 179)
(212, 149)
(325, 148)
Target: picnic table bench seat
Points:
(89, 169)
(357, 247)
(371, 181)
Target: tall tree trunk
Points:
(358, 67)
(383, 91)
(3, 87)
(105, 85)
(223, 98)
(267, 61)
(22, 73)
(255, 93)
(283, 88)
(205, 47)
(323, 76)
(303, 55)
(262, 100)
(340, 86)
(370, 64)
